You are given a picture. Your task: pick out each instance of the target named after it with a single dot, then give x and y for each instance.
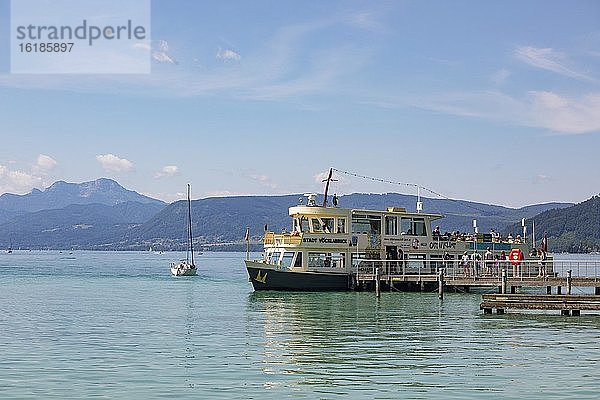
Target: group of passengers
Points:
(469, 237)
(491, 265)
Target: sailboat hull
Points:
(183, 270)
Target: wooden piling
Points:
(559, 290)
(504, 281)
(548, 289)
(441, 284)
(569, 281)
(377, 283)
(597, 290)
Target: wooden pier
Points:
(566, 304)
(560, 279)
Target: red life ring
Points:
(515, 256)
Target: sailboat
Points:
(186, 267)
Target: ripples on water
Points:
(117, 325)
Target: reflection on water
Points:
(351, 343)
(117, 325)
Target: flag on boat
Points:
(247, 237)
(544, 245)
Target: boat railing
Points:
(456, 269)
(272, 238)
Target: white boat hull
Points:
(183, 270)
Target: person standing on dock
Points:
(489, 261)
(542, 272)
(503, 263)
(465, 264)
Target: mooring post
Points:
(504, 281)
(597, 290)
(558, 290)
(548, 289)
(441, 284)
(377, 283)
(569, 281)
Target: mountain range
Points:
(101, 214)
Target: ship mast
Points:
(191, 247)
(328, 180)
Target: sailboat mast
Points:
(191, 246)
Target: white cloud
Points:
(541, 178)
(264, 180)
(162, 57)
(141, 46)
(167, 170)
(561, 114)
(550, 60)
(546, 110)
(228, 55)
(15, 181)
(45, 163)
(163, 45)
(224, 193)
(275, 71)
(112, 163)
(162, 53)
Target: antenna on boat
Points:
(328, 180)
(419, 202)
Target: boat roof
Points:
(335, 211)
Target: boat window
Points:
(413, 226)
(273, 258)
(316, 259)
(286, 260)
(326, 260)
(304, 224)
(316, 225)
(339, 260)
(391, 225)
(419, 227)
(298, 262)
(341, 225)
(366, 224)
(406, 226)
(327, 225)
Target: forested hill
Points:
(573, 229)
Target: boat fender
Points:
(515, 256)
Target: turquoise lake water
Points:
(117, 325)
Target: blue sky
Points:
(496, 102)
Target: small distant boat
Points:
(9, 250)
(186, 267)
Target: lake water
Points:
(117, 325)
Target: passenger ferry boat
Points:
(328, 247)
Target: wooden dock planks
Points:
(564, 303)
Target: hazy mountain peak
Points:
(61, 194)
